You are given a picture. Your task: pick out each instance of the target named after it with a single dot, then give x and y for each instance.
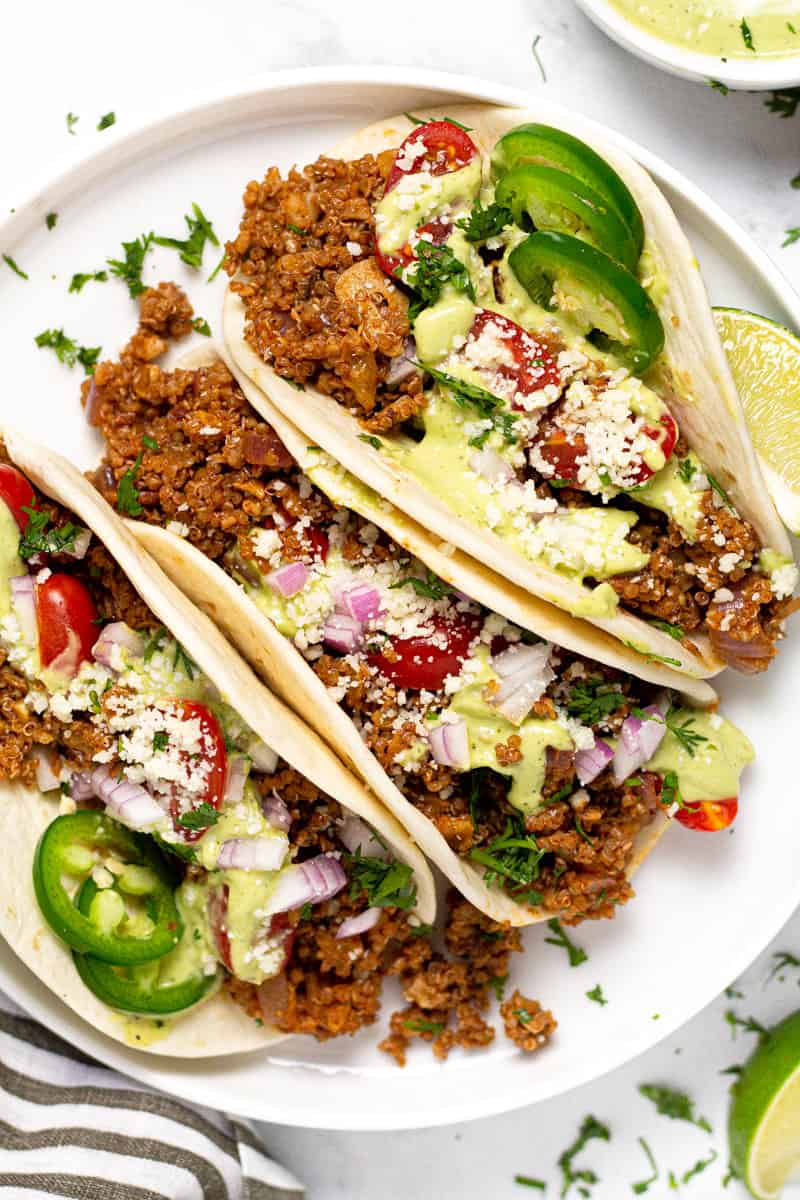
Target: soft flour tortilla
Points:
(285, 669)
(702, 394)
(218, 1026)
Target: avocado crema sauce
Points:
(726, 29)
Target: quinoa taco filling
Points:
(187, 856)
(538, 766)
(492, 326)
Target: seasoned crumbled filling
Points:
(320, 318)
(183, 478)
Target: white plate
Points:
(756, 72)
(707, 904)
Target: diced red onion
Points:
(449, 743)
(253, 854)
(490, 465)
(525, 673)
(81, 787)
(80, 544)
(639, 739)
(357, 836)
(235, 778)
(402, 366)
(751, 656)
(342, 632)
(130, 803)
(115, 638)
(276, 812)
(361, 602)
(360, 924)
(46, 778)
(589, 763)
(264, 757)
(288, 579)
(23, 601)
(316, 879)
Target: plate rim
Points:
(157, 131)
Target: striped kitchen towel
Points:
(70, 1127)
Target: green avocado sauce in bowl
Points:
(737, 43)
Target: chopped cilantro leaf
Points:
(433, 267)
(748, 1024)
(792, 236)
(466, 394)
(106, 121)
(387, 883)
(575, 954)
(305, 911)
(432, 587)
(155, 643)
(783, 960)
(216, 270)
(513, 856)
(80, 279)
(50, 220)
(201, 325)
(639, 1188)
(699, 1167)
(191, 248)
(498, 985)
(421, 930)
(594, 700)
(717, 86)
(590, 1129)
(201, 817)
(795, 181)
(674, 631)
(72, 121)
(296, 229)
(747, 36)
(68, 351)
(671, 1103)
(784, 101)
(367, 438)
(686, 469)
(38, 539)
(596, 994)
(9, 261)
(160, 740)
(149, 442)
(420, 1026)
(482, 223)
(529, 1181)
(129, 268)
(688, 737)
(127, 492)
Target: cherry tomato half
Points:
(709, 815)
(534, 362)
(17, 493)
(562, 452)
(420, 664)
(446, 148)
(213, 752)
(66, 619)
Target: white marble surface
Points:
(95, 57)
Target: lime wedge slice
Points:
(765, 360)
(764, 1117)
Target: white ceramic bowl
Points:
(755, 73)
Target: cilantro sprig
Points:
(38, 539)
(200, 232)
(67, 350)
(432, 587)
(593, 700)
(590, 1130)
(129, 268)
(576, 954)
(81, 278)
(202, 817)
(469, 395)
(669, 1102)
(433, 268)
(512, 857)
(387, 883)
(482, 223)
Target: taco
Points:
(535, 769)
(171, 828)
(500, 327)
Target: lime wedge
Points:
(765, 360)
(764, 1118)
